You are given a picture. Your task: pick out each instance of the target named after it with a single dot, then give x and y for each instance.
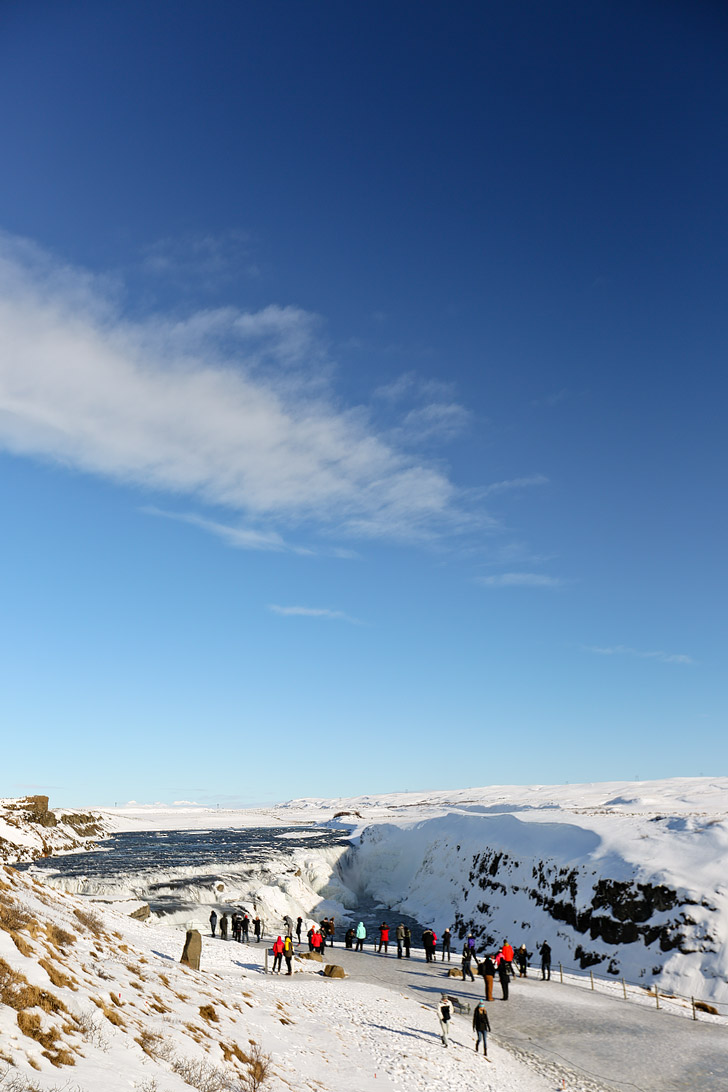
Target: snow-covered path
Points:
(619, 1044)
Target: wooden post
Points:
(266, 959)
(561, 974)
(657, 996)
(692, 1001)
(591, 977)
(624, 990)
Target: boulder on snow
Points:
(454, 972)
(192, 949)
(141, 913)
(331, 970)
(310, 955)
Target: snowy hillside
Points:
(97, 1002)
(628, 878)
(30, 829)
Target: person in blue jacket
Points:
(361, 936)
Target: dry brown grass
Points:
(231, 1051)
(30, 1025)
(703, 1006)
(207, 1012)
(18, 994)
(58, 937)
(22, 944)
(12, 916)
(90, 921)
(58, 978)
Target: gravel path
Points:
(617, 1044)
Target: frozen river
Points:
(180, 872)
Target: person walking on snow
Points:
(545, 950)
(257, 928)
(213, 921)
(481, 1026)
(384, 938)
(522, 958)
(288, 954)
(277, 956)
(503, 975)
(467, 969)
(223, 927)
(407, 941)
(400, 939)
(507, 953)
(361, 936)
(444, 1011)
(299, 926)
(446, 936)
(487, 969)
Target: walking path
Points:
(619, 1044)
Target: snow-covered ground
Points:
(101, 999)
(107, 995)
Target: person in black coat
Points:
(545, 950)
(213, 921)
(467, 968)
(446, 936)
(503, 975)
(481, 1026)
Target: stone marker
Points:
(332, 971)
(310, 955)
(141, 913)
(192, 949)
(454, 972)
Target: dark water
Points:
(162, 867)
(169, 850)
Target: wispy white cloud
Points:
(200, 257)
(623, 650)
(242, 538)
(229, 407)
(313, 612)
(520, 580)
(515, 483)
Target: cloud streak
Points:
(520, 580)
(231, 408)
(313, 612)
(623, 650)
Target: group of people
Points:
(238, 924)
(501, 964)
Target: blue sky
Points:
(362, 386)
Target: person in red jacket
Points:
(507, 953)
(277, 956)
(316, 940)
(383, 937)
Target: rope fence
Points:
(627, 989)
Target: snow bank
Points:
(626, 878)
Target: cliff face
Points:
(646, 901)
(30, 829)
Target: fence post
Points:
(266, 959)
(657, 996)
(561, 974)
(591, 977)
(692, 1001)
(624, 990)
